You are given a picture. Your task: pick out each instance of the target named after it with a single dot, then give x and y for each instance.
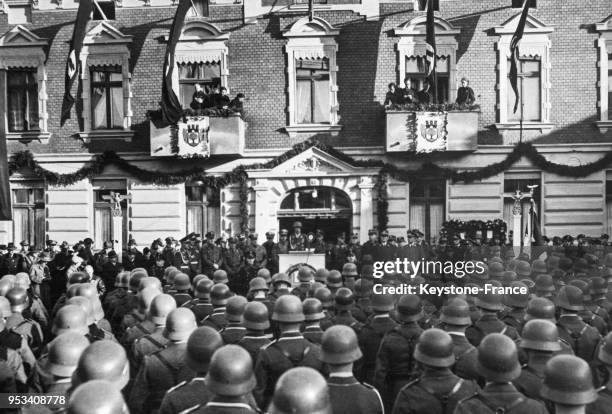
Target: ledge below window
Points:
(543, 127)
(29, 136)
(293, 130)
(106, 134)
(604, 126)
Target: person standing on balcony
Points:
(199, 100)
(237, 104)
(223, 99)
(391, 98)
(465, 94)
(407, 94)
(424, 95)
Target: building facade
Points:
(324, 78)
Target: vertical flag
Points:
(310, 10)
(514, 52)
(170, 103)
(73, 63)
(430, 54)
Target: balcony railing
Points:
(199, 136)
(429, 131)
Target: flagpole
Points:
(522, 106)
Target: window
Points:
(19, 14)
(529, 91)
(106, 97)
(605, 74)
(427, 206)
(207, 75)
(421, 5)
(518, 4)
(103, 223)
(316, 198)
(312, 91)
(104, 10)
(415, 70)
(29, 216)
(203, 209)
(22, 99)
(199, 8)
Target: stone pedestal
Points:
(117, 234)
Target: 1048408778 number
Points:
(9, 400)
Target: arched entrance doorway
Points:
(325, 208)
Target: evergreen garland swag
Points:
(25, 159)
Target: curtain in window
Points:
(195, 219)
(16, 101)
(98, 108)
(21, 224)
(609, 216)
(117, 107)
(32, 101)
(417, 215)
(321, 109)
(39, 228)
(303, 101)
(436, 218)
(102, 225)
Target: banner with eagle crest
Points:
(193, 137)
(430, 132)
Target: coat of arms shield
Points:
(193, 137)
(431, 131)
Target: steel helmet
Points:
(197, 278)
(599, 285)
(146, 296)
(538, 266)
(105, 360)
(570, 298)
(149, 282)
(496, 270)
(568, 380)
(489, 301)
(544, 283)
(97, 397)
(230, 372)
(64, 353)
(219, 294)
(201, 345)
(122, 279)
(334, 279)
(301, 390)
(182, 282)
(18, 299)
(349, 270)
(202, 288)
(171, 275)
(304, 274)
(5, 307)
(22, 280)
(313, 288)
(255, 316)
(522, 269)
(540, 308)
(382, 303)
(518, 300)
(70, 318)
(339, 345)
(135, 279)
(85, 304)
(167, 272)
(435, 348)
(258, 283)
(280, 278)
(5, 286)
(313, 310)
(456, 312)
(90, 292)
(344, 299)
(235, 308)
(498, 358)
(161, 306)
(265, 274)
(321, 275)
(77, 277)
(220, 276)
(288, 308)
(180, 323)
(409, 308)
(325, 297)
(540, 335)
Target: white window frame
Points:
(20, 48)
(412, 44)
(312, 40)
(105, 45)
(535, 43)
(604, 44)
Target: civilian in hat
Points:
(261, 257)
(110, 269)
(248, 271)
(272, 258)
(232, 258)
(297, 240)
(211, 256)
(13, 262)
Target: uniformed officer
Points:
(200, 305)
(372, 333)
(344, 302)
(283, 242)
(313, 313)
(540, 341)
(568, 384)
(583, 338)
(338, 252)
(370, 246)
(437, 390)
(498, 363)
(339, 350)
(319, 244)
(182, 285)
(290, 350)
(593, 319)
(395, 365)
(219, 294)
(147, 326)
(230, 379)
(117, 294)
(297, 240)
(305, 277)
(234, 330)
(165, 368)
(97, 396)
(455, 318)
(201, 345)
(489, 304)
(19, 323)
(211, 257)
(301, 390)
(272, 257)
(256, 321)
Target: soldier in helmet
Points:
(437, 389)
(455, 318)
(256, 321)
(305, 278)
(604, 358)
(211, 257)
(230, 379)
(165, 368)
(498, 363)
(593, 319)
(291, 349)
(517, 302)
(301, 390)
(219, 294)
(363, 304)
(313, 314)
(234, 330)
(339, 350)
(344, 303)
(489, 305)
(297, 240)
(201, 345)
(583, 338)
(146, 326)
(20, 323)
(182, 287)
(326, 298)
(395, 365)
(568, 384)
(280, 286)
(372, 333)
(334, 281)
(102, 360)
(201, 305)
(97, 396)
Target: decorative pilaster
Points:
(366, 218)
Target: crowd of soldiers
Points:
(161, 333)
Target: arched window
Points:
(317, 200)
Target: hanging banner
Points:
(430, 131)
(193, 137)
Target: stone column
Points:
(366, 218)
(117, 233)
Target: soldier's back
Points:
(185, 395)
(253, 344)
(466, 355)
(232, 334)
(602, 404)
(582, 337)
(500, 398)
(201, 308)
(313, 334)
(348, 395)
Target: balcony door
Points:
(427, 207)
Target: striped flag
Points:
(514, 52)
(430, 54)
(170, 104)
(73, 64)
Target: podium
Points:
(292, 261)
